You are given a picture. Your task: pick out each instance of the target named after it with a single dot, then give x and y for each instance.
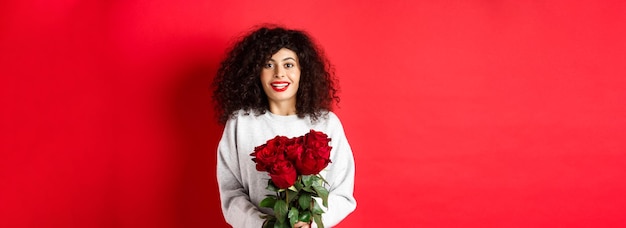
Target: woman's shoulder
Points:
(328, 118)
(330, 115)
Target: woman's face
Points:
(280, 77)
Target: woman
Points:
(275, 81)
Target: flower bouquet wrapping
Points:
(293, 165)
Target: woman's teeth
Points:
(280, 85)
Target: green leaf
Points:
(281, 225)
(308, 189)
(298, 185)
(316, 208)
(268, 202)
(305, 216)
(318, 220)
(322, 178)
(307, 180)
(305, 200)
(291, 195)
(322, 193)
(316, 180)
(271, 186)
(293, 216)
(268, 224)
(280, 211)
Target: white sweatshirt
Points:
(242, 187)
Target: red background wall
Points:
(460, 113)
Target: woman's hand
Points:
(301, 225)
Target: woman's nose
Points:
(279, 72)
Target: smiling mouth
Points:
(280, 86)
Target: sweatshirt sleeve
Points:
(340, 175)
(235, 201)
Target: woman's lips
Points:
(280, 86)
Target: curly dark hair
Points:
(237, 85)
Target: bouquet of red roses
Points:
(294, 165)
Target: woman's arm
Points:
(236, 206)
(340, 176)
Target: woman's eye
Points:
(289, 65)
(268, 65)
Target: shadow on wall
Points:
(196, 135)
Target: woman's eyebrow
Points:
(285, 59)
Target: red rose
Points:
(316, 154)
(267, 154)
(283, 174)
(309, 163)
(294, 148)
(319, 141)
(316, 139)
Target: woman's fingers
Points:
(301, 225)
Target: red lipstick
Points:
(280, 86)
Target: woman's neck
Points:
(283, 108)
